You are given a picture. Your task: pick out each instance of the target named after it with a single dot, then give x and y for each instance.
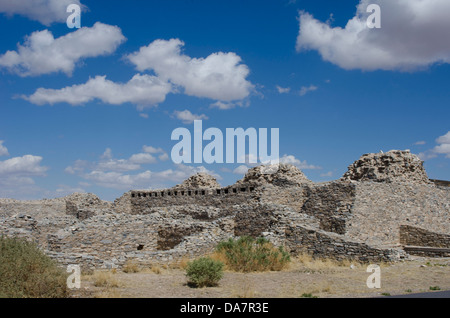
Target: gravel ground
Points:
(317, 279)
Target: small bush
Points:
(204, 272)
(248, 254)
(26, 272)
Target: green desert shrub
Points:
(248, 254)
(204, 272)
(26, 272)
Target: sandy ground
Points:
(301, 279)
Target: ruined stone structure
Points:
(383, 208)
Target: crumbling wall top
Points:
(282, 175)
(393, 166)
(199, 181)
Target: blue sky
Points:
(93, 109)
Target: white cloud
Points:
(44, 11)
(150, 149)
(143, 115)
(163, 157)
(16, 176)
(43, 54)
(79, 166)
(444, 145)
(444, 139)
(302, 165)
(420, 143)
(107, 154)
(142, 90)
(146, 179)
(229, 105)
(142, 158)
(283, 90)
(242, 169)
(114, 173)
(220, 76)
(3, 149)
(117, 180)
(108, 163)
(413, 35)
(306, 89)
(443, 148)
(27, 165)
(187, 117)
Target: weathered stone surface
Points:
(393, 166)
(199, 181)
(282, 175)
(414, 236)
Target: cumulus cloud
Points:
(108, 163)
(3, 149)
(146, 179)
(302, 165)
(443, 148)
(306, 89)
(41, 53)
(142, 90)
(27, 165)
(220, 76)
(413, 35)
(44, 11)
(187, 117)
(16, 175)
(125, 174)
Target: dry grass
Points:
(181, 263)
(219, 257)
(307, 277)
(152, 269)
(309, 263)
(103, 279)
(130, 267)
(244, 290)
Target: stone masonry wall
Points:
(414, 236)
(380, 208)
(304, 239)
(331, 203)
(142, 201)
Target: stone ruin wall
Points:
(381, 208)
(145, 200)
(414, 236)
(354, 217)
